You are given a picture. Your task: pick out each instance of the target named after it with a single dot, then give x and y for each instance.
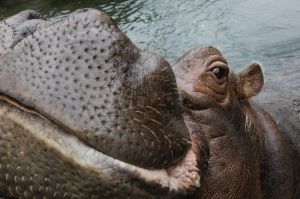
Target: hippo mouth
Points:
(82, 88)
(181, 177)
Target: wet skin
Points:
(250, 155)
(84, 113)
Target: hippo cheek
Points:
(83, 75)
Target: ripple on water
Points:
(245, 31)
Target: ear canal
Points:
(250, 81)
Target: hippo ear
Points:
(250, 81)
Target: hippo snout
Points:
(83, 76)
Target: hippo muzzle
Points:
(84, 113)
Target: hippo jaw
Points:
(180, 177)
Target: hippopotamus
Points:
(84, 113)
(250, 155)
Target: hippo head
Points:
(217, 97)
(84, 113)
(219, 100)
(204, 79)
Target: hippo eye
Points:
(220, 73)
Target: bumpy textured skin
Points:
(85, 75)
(33, 168)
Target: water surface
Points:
(265, 31)
(244, 30)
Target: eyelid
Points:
(218, 64)
(215, 58)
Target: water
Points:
(264, 31)
(245, 31)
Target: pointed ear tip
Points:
(261, 78)
(256, 66)
(251, 81)
(257, 69)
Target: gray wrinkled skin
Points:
(30, 168)
(84, 74)
(81, 79)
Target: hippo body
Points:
(251, 156)
(84, 113)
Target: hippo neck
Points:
(235, 147)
